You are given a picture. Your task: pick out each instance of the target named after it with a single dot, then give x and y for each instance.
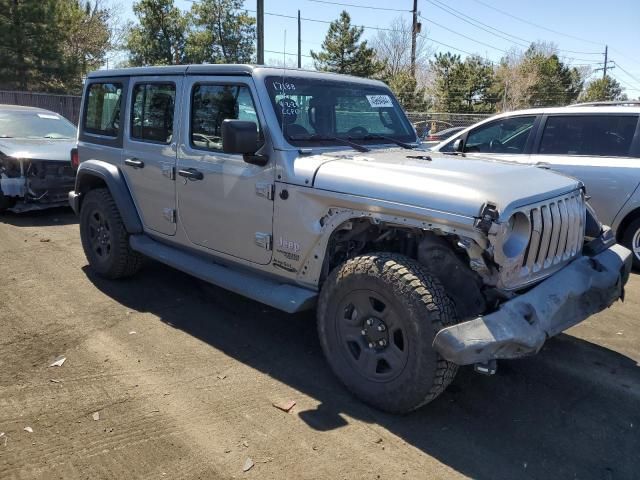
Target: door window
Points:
(211, 105)
(152, 112)
(102, 114)
(596, 135)
(506, 135)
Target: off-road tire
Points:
(423, 309)
(628, 240)
(118, 260)
(6, 202)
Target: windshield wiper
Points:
(328, 138)
(375, 136)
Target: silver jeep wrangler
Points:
(302, 189)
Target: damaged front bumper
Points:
(30, 184)
(521, 325)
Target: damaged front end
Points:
(33, 184)
(555, 265)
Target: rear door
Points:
(598, 149)
(149, 150)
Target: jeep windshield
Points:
(325, 112)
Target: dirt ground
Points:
(183, 376)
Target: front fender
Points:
(93, 173)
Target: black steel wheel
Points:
(104, 238)
(377, 317)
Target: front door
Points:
(224, 203)
(149, 153)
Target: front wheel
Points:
(631, 240)
(377, 317)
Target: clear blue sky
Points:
(574, 25)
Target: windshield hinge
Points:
(266, 190)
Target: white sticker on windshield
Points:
(52, 117)
(379, 101)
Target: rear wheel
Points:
(631, 240)
(104, 238)
(377, 317)
(6, 202)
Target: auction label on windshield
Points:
(379, 101)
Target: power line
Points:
(631, 76)
(472, 21)
(287, 53)
(535, 24)
(368, 7)
(462, 34)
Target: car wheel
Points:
(104, 238)
(377, 317)
(631, 240)
(6, 202)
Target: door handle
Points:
(191, 174)
(544, 165)
(134, 162)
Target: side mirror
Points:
(239, 136)
(458, 145)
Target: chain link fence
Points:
(66, 105)
(429, 123)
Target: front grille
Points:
(557, 232)
(556, 238)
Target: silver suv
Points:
(305, 190)
(598, 143)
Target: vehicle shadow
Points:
(40, 218)
(570, 412)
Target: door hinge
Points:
(263, 240)
(169, 171)
(169, 215)
(266, 190)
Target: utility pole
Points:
(414, 34)
(260, 21)
(299, 42)
(606, 58)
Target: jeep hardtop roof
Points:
(228, 69)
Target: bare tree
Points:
(393, 47)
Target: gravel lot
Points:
(184, 375)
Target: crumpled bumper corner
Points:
(521, 326)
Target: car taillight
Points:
(432, 137)
(75, 158)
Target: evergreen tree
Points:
(603, 89)
(342, 51)
(406, 90)
(222, 32)
(159, 38)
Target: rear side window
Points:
(211, 105)
(152, 112)
(598, 135)
(102, 114)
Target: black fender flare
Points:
(109, 174)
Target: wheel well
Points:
(630, 217)
(90, 182)
(439, 253)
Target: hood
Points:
(446, 183)
(37, 148)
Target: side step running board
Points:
(288, 298)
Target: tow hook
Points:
(486, 368)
